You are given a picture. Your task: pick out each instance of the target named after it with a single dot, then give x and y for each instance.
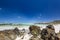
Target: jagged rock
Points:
(36, 38)
(50, 30)
(9, 34)
(58, 35)
(16, 30)
(34, 30)
(50, 27)
(48, 33)
(44, 34)
(3, 37)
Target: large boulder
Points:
(4, 37)
(34, 30)
(48, 33)
(44, 34)
(17, 31)
(35, 38)
(58, 35)
(9, 34)
(50, 30)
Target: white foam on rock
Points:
(57, 28)
(27, 36)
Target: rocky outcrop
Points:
(49, 33)
(35, 33)
(9, 34)
(34, 30)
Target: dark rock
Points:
(34, 30)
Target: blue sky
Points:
(29, 11)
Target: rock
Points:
(34, 30)
(35, 38)
(58, 35)
(9, 34)
(48, 33)
(50, 30)
(16, 30)
(44, 34)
